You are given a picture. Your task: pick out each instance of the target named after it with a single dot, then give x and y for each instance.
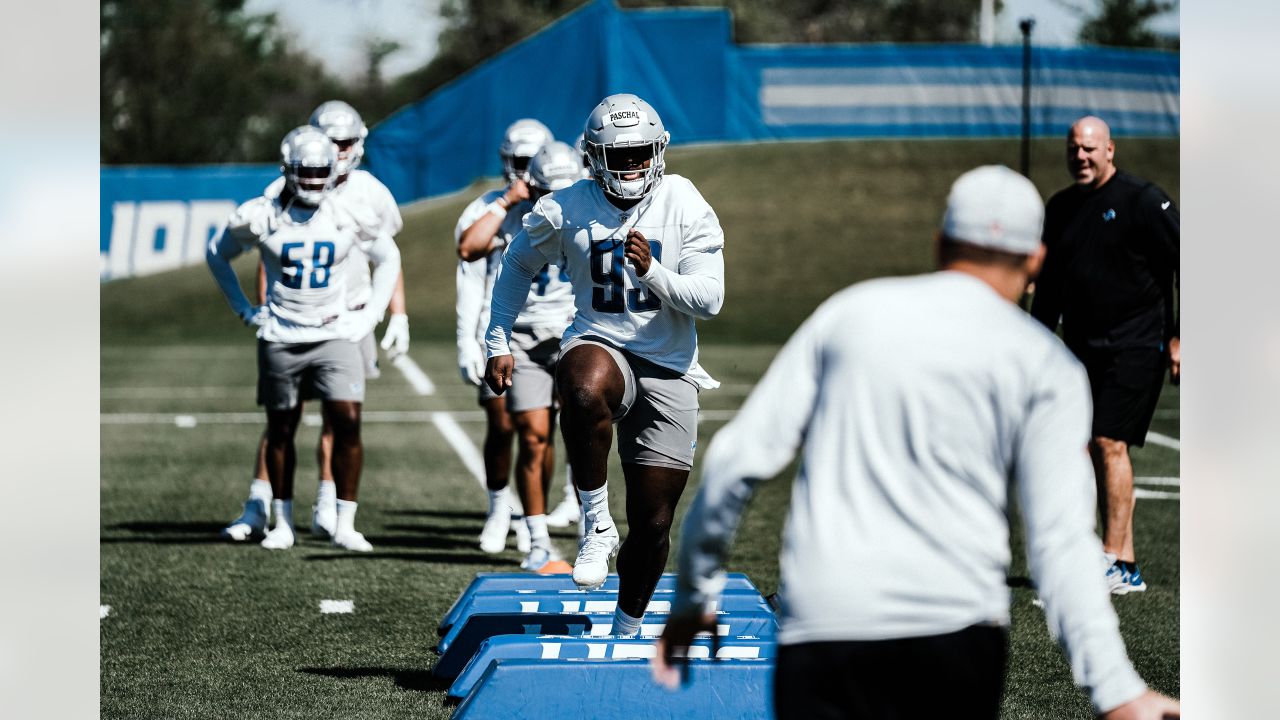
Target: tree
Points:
(192, 81)
(1122, 23)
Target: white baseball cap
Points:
(995, 207)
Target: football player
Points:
(480, 237)
(308, 334)
(643, 253)
(347, 130)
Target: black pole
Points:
(1025, 25)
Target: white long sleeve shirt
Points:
(917, 404)
(578, 230)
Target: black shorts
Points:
(956, 675)
(1125, 384)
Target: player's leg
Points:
(594, 389)
(348, 462)
(568, 511)
(656, 442)
(324, 515)
(252, 522)
(499, 433)
(533, 429)
(1114, 473)
(281, 457)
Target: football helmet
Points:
(581, 146)
(344, 127)
(309, 163)
(555, 167)
(624, 132)
(522, 140)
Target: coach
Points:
(1109, 274)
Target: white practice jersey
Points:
(580, 231)
(918, 405)
(549, 306)
(306, 252)
(361, 188)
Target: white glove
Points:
(471, 364)
(255, 316)
(395, 339)
(356, 324)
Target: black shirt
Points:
(1111, 265)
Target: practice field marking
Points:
(337, 607)
(1144, 494)
(414, 375)
(1167, 481)
(462, 444)
(1156, 438)
(103, 611)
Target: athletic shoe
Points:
(539, 557)
(324, 520)
(1133, 578)
(352, 540)
(252, 523)
(565, 514)
(523, 541)
(1124, 578)
(592, 565)
(493, 538)
(280, 538)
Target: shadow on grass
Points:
(476, 558)
(405, 678)
(456, 514)
(166, 533)
(469, 531)
(422, 541)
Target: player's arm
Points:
(697, 286)
(520, 264)
(762, 438)
(395, 339)
(385, 257)
(1056, 494)
(248, 223)
(478, 239)
(470, 283)
(262, 282)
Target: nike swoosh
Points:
(1165, 205)
(601, 531)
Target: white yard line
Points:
(103, 611)
(462, 444)
(1167, 481)
(337, 607)
(414, 374)
(1156, 438)
(1144, 494)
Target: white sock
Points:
(260, 489)
(346, 517)
(538, 536)
(327, 492)
(498, 498)
(570, 493)
(595, 503)
(624, 624)
(284, 512)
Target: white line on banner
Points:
(414, 374)
(462, 444)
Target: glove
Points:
(355, 325)
(471, 364)
(395, 339)
(255, 316)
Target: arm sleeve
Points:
(246, 225)
(385, 256)
(1164, 223)
(470, 282)
(520, 264)
(697, 290)
(1057, 496)
(762, 438)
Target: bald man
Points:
(1110, 273)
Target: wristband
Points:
(497, 209)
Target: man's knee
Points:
(344, 419)
(1110, 448)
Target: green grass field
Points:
(202, 629)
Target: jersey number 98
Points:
(607, 262)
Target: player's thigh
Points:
(590, 372)
(335, 372)
(662, 427)
(281, 371)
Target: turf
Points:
(200, 629)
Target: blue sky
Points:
(334, 30)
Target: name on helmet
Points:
(632, 115)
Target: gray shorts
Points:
(291, 372)
(369, 354)
(533, 382)
(658, 419)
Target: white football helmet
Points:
(623, 132)
(522, 140)
(309, 162)
(555, 167)
(344, 127)
(581, 146)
